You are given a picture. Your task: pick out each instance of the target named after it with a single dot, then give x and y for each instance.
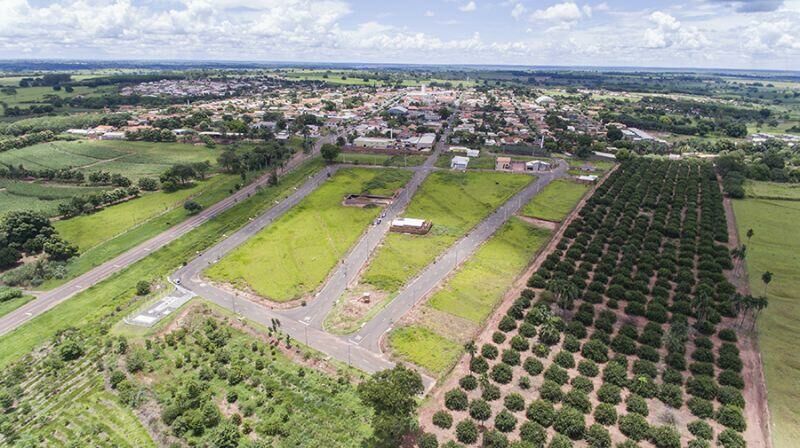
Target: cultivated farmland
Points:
(290, 258)
(628, 333)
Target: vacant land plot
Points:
(291, 257)
(774, 247)
(455, 203)
(556, 200)
(468, 297)
(88, 231)
(599, 166)
(772, 190)
(38, 197)
(131, 159)
(360, 158)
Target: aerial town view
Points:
(372, 224)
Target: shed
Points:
(459, 163)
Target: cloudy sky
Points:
(659, 33)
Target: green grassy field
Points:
(556, 200)
(131, 159)
(27, 96)
(424, 348)
(291, 257)
(108, 300)
(8, 306)
(455, 203)
(87, 231)
(600, 166)
(772, 190)
(356, 78)
(775, 248)
(380, 159)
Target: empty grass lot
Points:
(39, 197)
(455, 203)
(556, 200)
(358, 158)
(424, 348)
(291, 257)
(772, 190)
(113, 298)
(775, 248)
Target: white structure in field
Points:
(459, 163)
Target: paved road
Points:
(370, 334)
(351, 265)
(47, 300)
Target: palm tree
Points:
(737, 301)
(471, 349)
(747, 304)
(750, 234)
(701, 305)
(766, 277)
(565, 291)
(738, 255)
(760, 304)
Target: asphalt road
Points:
(47, 300)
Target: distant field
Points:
(358, 79)
(772, 190)
(292, 256)
(131, 159)
(27, 96)
(775, 248)
(89, 230)
(556, 200)
(39, 197)
(455, 203)
(358, 158)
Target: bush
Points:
(556, 374)
(702, 386)
(588, 368)
(731, 378)
(634, 426)
(564, 359)
(468, 382)
(731, 439)
(605, 414)
(507, 324)
(609, 393)
(510, 357)
(427, 440)
(616, 374)
(467, 432)
(498, 337)
(731, 416)
(727, 334)
(570, 422)
(636, 404)
(699, 443)
(579, 401)
(541, 412)
(671, 395)
(494, 439)
(533, 366)
(142, 288)
(490, 392)
(533, 433)
(701, 430)
(480, 410)
(595, 351)
(598, 437)
(519, 343)
(514, 402)
(502, 373)
(665, 437)
(560, 441)
(700, 407)
(456, 400)
(730, 395)
(489, 351)
(478, 365)
(505, 421)
(582, 384)
(442, 419)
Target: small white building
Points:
(116, 135)
(374, 142)
(473, 152)
(587, 179)
(459, 163)
(537, 165)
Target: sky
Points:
(748, 34)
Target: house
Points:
(503, 164)
(537, 165)
(422, 142)
(398, 110)
(374, 142)
(459, 163)
(410, 225)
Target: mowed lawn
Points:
(292, 256)
(776, 248)
(131, 159)
(88, 231)
(454, 203)
(556, 200)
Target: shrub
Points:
(582, 384)
(634, 426)
(507, 324)
(671, 395)
(478, 365)
(665, 437)
(456, 400)
(731, 378)
(571, 344)
(510, 357)
(609, 393)
(730, 395)
(468, 382)
(494, 439)
(498, 337)
(672, 376)
(644, 386)
(598, 437)
(578, 400)
(480, 410)
(502, 373)
(623, 344)
(514, 402)
(570, 422)
(605, 414)
(505, 421)
(595, 351)
(588, 368)
(699, 443)
(560, 441)
(467, 432)
(564, 359)
(731, 416)
(702, 386)
(700, 407)
(533, 433)
(525, 383)
(727, 334)
(527, 330)
(519, 343)
(442, 419)
(701, 430)
(731, 439)
(541, 412)
(490, 392)
(616, 374)
(427, 440)
(489, 351)
(556, 374)
(551, 391)
(636, 404)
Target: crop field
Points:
(771, 190)
(104, 301)
(455, 203)
(27, 96)
(291, 257)
(556, 200)
(775, 248)
(39, 197)
(468, 297)
(131, 159)
(358, 158)
(87, 231)
(628, 334)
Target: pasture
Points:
(358, 158)
(290, 258)
(775, 248)
(555, 201)
(772, 190)
(131, 159)
(37, 196)
(455, 203)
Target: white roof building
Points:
(408, 222)
(459, 163)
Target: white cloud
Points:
(560, 12)
(429, 13)
(518, 11)
(468, 7)
(669, 32)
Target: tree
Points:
(59, 250)
(470, 348)
(142, 288)
(148, 184)
(565, 292)
(9, 257)
(766, 277)
(701, 305)
(192, 207)
(759, 304)
(330, 152)
(392, 395)
(614, 134)
(225, 436)
(750, 234)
